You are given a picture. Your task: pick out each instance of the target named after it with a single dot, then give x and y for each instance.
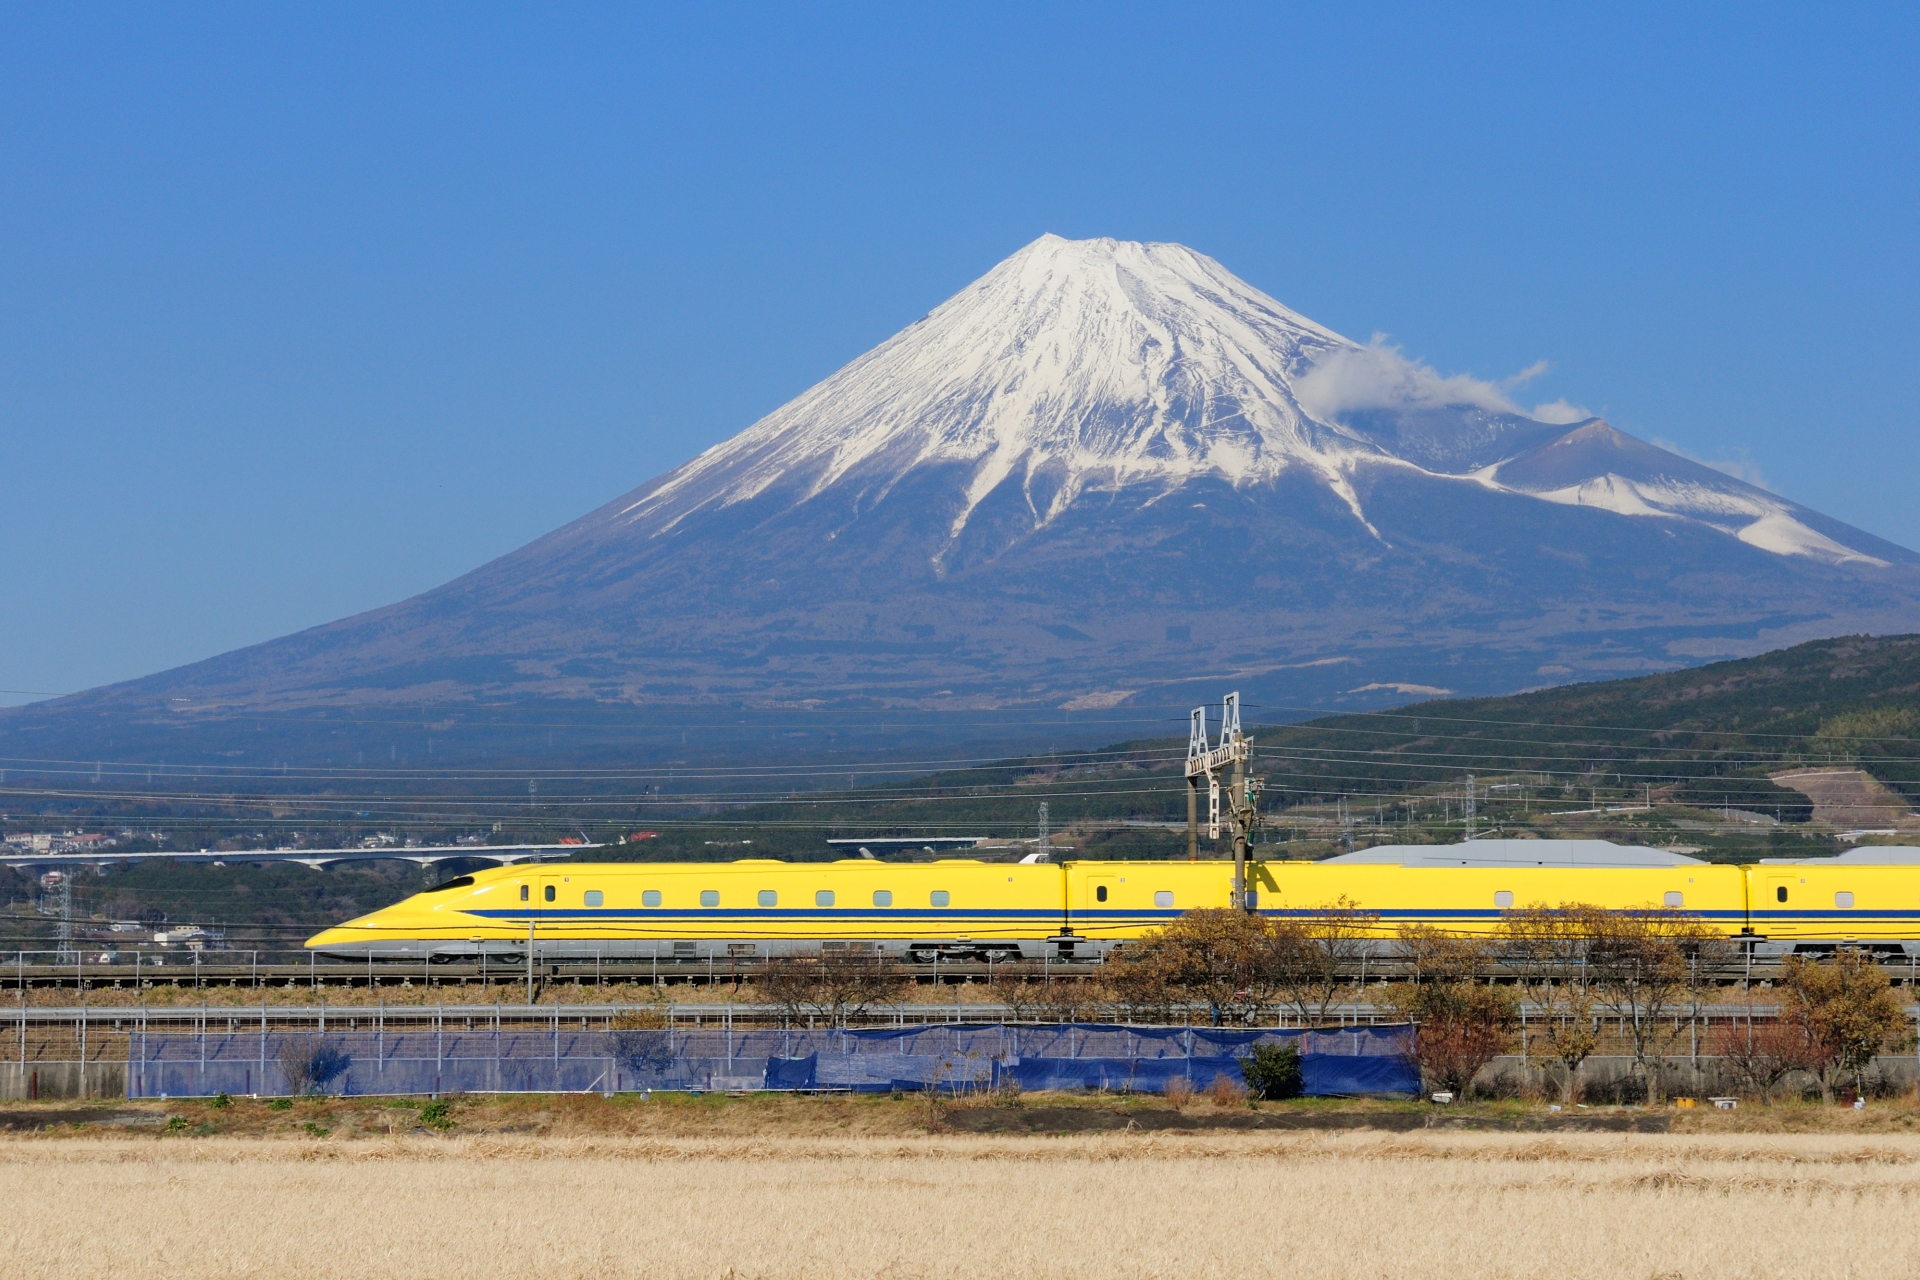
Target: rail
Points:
(206, 968)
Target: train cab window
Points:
(1099, 893)
(883, 897)
(523, 893)
(650, 898)
(1673, 898)
(709, 897)
(1780, 894)
(458, 882)
(594, 897)
(549, 895)
(1844, 898)
(769, 898)
(1503, 898)
(938, 898)
(1163, 898)
(823, 897)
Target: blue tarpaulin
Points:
(1361, 1059)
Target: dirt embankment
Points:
(1851, 799)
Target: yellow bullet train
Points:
(961, 908)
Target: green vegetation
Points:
(1273, 1071)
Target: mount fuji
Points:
(1103, 475)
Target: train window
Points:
(1674, 898)
(823, 898)
(769, 898)
(594, 897)
(1163, 898)
(1780, 894)
(709, 897)
(458, 882)
(1844, 898)
(938, 898)
(551, 891)
(1100, 893)
(883, 897)
(523, 893)
(650, 898)
(1503, 898)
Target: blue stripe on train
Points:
(760, 913)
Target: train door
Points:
(1780, 897)
(551, 898)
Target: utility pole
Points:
(1235, 749)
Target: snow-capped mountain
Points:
(1080, 368)
(1110, 474)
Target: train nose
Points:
(358, 931)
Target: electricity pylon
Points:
(1242, 807)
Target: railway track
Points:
(734, 973)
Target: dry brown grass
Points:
(1333, 1206)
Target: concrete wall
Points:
(1610, 1078)
(62, 1080)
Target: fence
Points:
(959, 1058)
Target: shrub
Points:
(437, 1114)
(1223, 1092)
(1273, 1070)
(310, 1063)
(1179, 1092)
(221, 1100)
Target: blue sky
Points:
(306, 309)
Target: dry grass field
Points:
(1331, 1206)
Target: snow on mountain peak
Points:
(1087, 366)
(1107, 362)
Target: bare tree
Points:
(1547, 948)
(1763, 1055)
(1312, 954)
(838, 984)
(1644, 964)
(1460, 1022)
(639, 1039)
(1016, 984)
(311, 1062)
(1218, 957)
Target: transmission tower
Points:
(61, 882)
(1242, 810)
(1043, 847)
(1470, 807)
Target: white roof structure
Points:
(1519, 853)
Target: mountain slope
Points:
(1104, 474)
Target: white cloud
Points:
(1378, 376)
(1526, 375)
(1740, 467)
(1559, 411)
